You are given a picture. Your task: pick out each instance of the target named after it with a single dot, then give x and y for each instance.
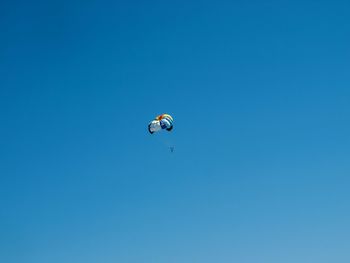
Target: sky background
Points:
(260, 94)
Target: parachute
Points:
(161, 122)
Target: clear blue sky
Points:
(260, 94)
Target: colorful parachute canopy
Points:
(161, 122)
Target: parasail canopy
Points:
(161, 122)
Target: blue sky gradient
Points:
(260, 94)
